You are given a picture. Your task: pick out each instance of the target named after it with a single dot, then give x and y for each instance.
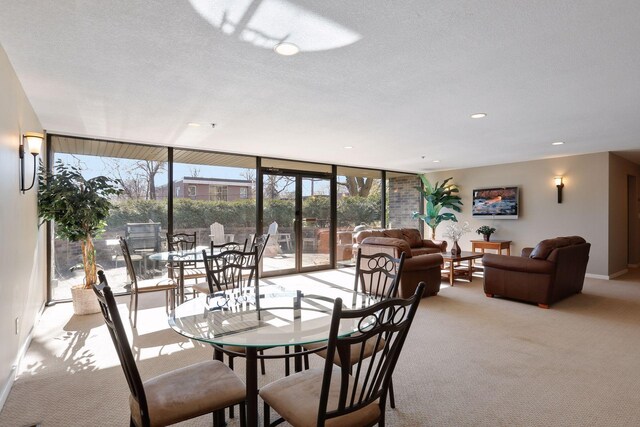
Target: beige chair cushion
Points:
(297, 396)
(190, 392)
(355, 350)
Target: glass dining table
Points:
(269, 316)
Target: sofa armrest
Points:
(516, 263)
(526, 252)
(438, 244)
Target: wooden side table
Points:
(497, 245)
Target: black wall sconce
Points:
(560, 186)
(33, 141)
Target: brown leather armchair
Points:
(543, 275)
(422, 257)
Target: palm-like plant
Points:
(78, 206)
(437, 197)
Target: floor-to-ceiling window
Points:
(359, 203)
(209, 188)
(214, 188)
(139, 215)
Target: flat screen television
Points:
(496, 203)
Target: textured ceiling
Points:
(397, 81)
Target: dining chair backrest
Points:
(181, 241)
(378, 274)
(231, 246)
(113, 321)
(260, 243)
(231, 270)
(128, 263)
(217, 233)
(385, 324)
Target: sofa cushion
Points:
(545, 247)
(424, 250)
(394, 233)
(402, 245)
(412, 236)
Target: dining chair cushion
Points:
(189, 392)
(296, 399)
(354, 354)
(153, 285)
(201, 287)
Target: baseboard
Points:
(619, 273)
(597, 276)
(6, 387)
(633, 265)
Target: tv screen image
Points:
(496, 202)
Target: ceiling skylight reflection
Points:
(265, 23)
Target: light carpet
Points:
(469, 361)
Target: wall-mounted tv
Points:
(496, 202)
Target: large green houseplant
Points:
(437, 197)
(79, 208)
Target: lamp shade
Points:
(34, 141)
(558, 180)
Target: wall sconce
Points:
(34, 142)
(560, 186)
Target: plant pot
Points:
(487, 237)
(84, 300)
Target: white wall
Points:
(583, 212)
(22, 251)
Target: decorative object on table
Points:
(486, 231)
(454, 232)
(79, 208)
(437, 197)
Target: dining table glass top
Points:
(276, 316)
(185, 255)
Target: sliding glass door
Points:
(297, 214)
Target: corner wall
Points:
(584, 210)
(624, 236)
(22, 254)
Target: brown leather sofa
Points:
(543, 275)
(422, 257)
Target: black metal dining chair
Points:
(191, 270)
(378, 275)
(174, 396)
(335, 394)
(167, 285)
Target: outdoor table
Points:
(180, 258)
(271, 316)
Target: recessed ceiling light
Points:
(479, 115)
(557, 143)
(286, 49)
(347, 147)
(193, 124)
(436, 161)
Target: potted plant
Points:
(79, 208)
(486, 231)
(437, 197)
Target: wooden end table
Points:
(455, 259)
(497, 245)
